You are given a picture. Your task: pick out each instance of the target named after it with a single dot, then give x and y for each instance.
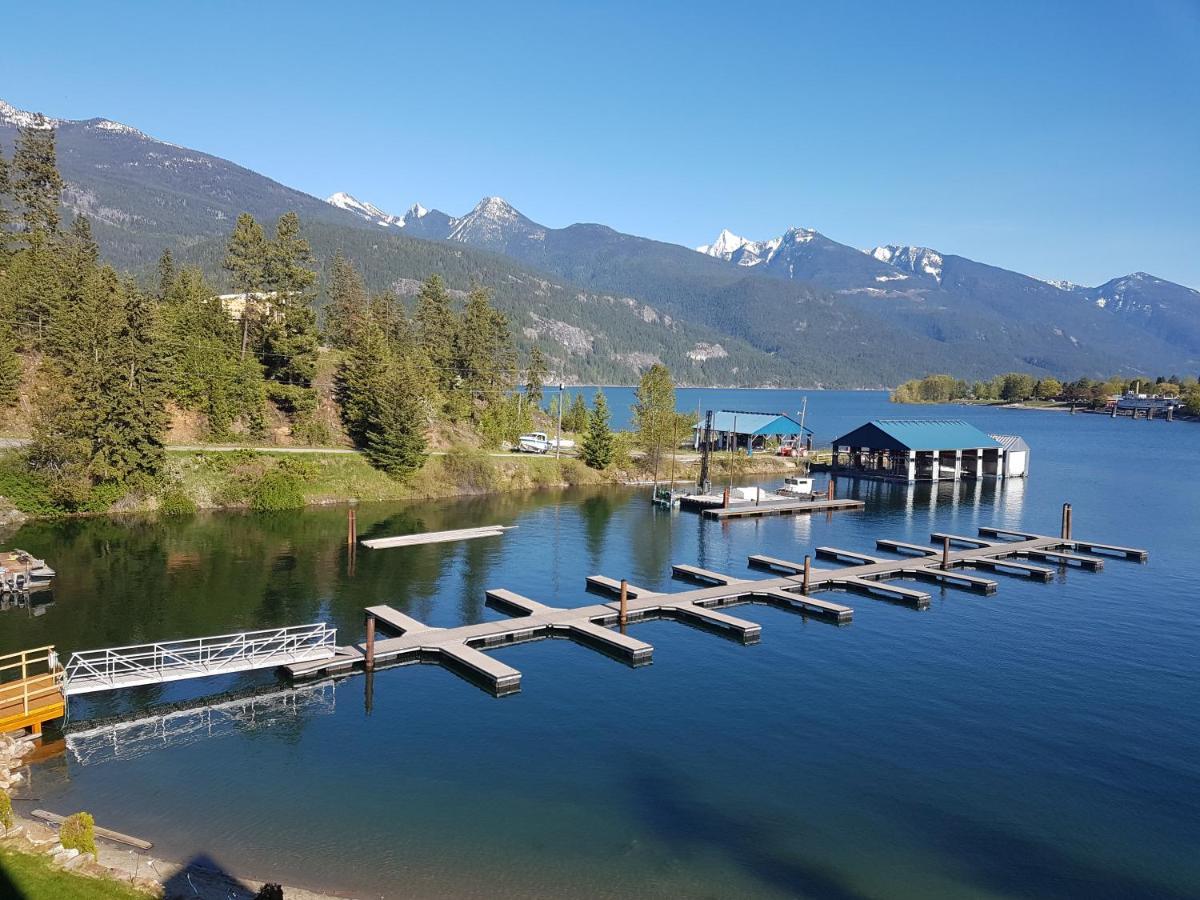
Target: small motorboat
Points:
(21, 571)
(794, 486)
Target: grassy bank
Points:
(32, 876)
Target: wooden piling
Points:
(624, 602)
(351, 527)
(807, 573)
(829, 490)
(1070, 516)
(1064, 531)
(725, 499)
(369, 662)
(946, 552)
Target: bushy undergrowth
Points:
(78, 832)
(470, 470)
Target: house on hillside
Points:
(744, 430)
(928, 450)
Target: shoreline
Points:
(138, 869)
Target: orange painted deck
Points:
(32, 694)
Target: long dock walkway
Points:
(461, 649)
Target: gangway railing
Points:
(141, 664)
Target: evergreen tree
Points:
(598, 447)
(436, 330)
(347, 302)
(576, 418)
(535, 375)
(10, 366)
(246, 262)
(395, 438)
(36, 184)
(484, 353)
(361, 380)
(166, 273)
(5, 217)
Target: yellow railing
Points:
(30, 691)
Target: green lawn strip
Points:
(32, 876)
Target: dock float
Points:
(1089, 546)
(779, 508)
(462, 649)
(107, 834)
(436, 537)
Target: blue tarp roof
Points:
(746, 422)
(917, 434)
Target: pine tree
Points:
(361, 380)
(290, 341)
(347, 302)
(36, 184)
(598, 447)
(436, 329)
(5, 217)
(10, 367)
(395, 438)
(485, 357)
(535, 375)
(166, 273)
(576, 418)
(246, 262)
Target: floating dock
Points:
(462, 649)
(749, 509)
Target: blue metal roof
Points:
(745, 422)
(917, 434)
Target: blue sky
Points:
(1059, 139)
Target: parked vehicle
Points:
(538, 442)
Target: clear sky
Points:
(1060, 139)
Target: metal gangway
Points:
(163, 661)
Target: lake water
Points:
(1040, 742)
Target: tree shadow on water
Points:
(204, 878)
(687, 823)
(998, 859)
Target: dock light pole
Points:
(624, 602)
(558, 434)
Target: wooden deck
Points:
(32, 695)
(461, 649)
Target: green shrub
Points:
(175, 502)
(6, 812)
(78, 832)
(470, 469)
(25, 489)
(277, 490)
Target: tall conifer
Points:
(37, 186)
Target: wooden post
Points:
(370, 663)
(1070, 515)
(624, 601)
(351, 526)
(725, 499)
(1066, 512)
(829, 490)
(945, 552)
(807, 573)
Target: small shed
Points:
(1016, 455)
(743, 429)
(923, 450)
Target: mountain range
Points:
(797, 309)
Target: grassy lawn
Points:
(27, 876)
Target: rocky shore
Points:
(155, 877)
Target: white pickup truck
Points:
(538, 442)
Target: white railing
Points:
(138, 664)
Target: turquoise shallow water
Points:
(1040, 742)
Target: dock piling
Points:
(369, 662)
(624, 602)
(945, 552)
(807, 573)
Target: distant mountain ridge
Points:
(797, 309)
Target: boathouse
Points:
(745, 430)
(927, 450)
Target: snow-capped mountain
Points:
(368, 211)
(914, 259)
(494, 224)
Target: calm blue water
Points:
(1040, 742)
